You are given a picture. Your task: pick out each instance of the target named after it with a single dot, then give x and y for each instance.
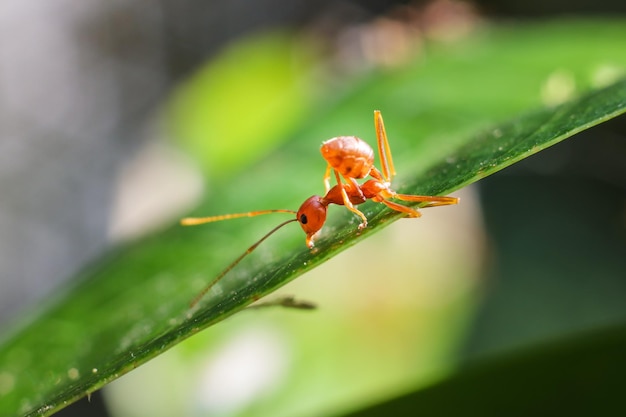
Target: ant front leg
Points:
(348, 203)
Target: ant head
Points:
(311, 215)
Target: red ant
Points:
(351, 158)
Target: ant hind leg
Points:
(433, 201)
(384, 151)
(409, 211)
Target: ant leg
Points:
(384, 151)
(377, 175)
(348, 203)
(356, 189)
(327, 179)
(410, 212)
(433, 201)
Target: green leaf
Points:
(133, 305)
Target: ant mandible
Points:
(348, 157)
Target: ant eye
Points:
(303, 219)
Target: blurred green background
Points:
(173, 104)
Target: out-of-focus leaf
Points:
(243, 101)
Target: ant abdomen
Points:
(349, 155)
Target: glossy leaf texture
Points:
(134, 304)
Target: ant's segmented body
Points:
(351, 158)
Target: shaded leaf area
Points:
(133, 305)
(576, 376)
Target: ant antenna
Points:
(193, 221)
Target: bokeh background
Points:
(102, 110)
